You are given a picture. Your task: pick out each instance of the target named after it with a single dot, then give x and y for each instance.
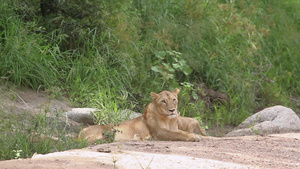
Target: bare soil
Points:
(273, 151)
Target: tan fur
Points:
(160, 121)
(36, 137)
(191, 125)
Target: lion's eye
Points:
(164, 102)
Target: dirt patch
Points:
(28, 100)
(54, 163)
(274, 151)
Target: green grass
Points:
(21, 131)
(104, 55)
(16, 130)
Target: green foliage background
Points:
(104, 53)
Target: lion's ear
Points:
(176, 91)
(154, 95)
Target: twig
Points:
(23, 101)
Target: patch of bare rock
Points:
(276, 119)
(244, 152)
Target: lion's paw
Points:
(195, 137)
(210, 138)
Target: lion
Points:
(191, 125)
(160, 121)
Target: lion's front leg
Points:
(191, 125)
(164, 134)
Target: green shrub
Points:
(17, 130)
(112, 54)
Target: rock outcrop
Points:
(87, 116)
(277, 119)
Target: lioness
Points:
(160, 121)
(191, 125)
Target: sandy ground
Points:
(274, 151)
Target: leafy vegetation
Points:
(111, 54)
(23, 134)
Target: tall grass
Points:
(16, 136)
(101, 54)
(22, 133)
(228, 46)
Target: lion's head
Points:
(166, 103)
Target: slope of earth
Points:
(274, 151)
(28, 100)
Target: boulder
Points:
(276, 119)
(82, 115)
(86, 115)
(128, 114)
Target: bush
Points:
(108, 54)
(20, 135)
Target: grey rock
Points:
(82, 115)
(128, 114)
(276, 119)
(86, 115)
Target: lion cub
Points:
(160, 121)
